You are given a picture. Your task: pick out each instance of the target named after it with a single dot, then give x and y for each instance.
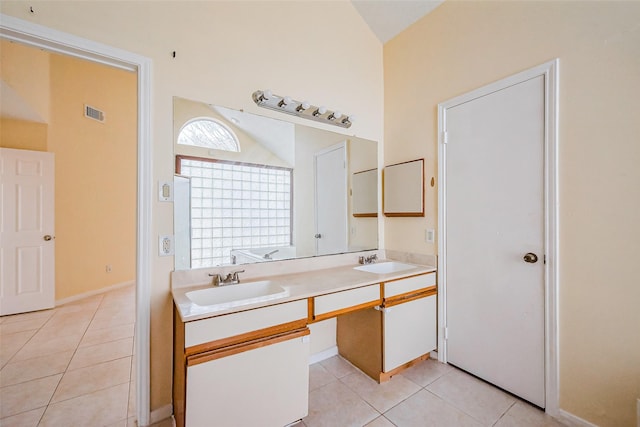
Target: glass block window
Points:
(236, 206)
(209, 133)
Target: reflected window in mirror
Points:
(209, 133)
(236, 205)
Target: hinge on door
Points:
(445, 137)
(544, 258)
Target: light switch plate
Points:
(429, 235)
(165, 191)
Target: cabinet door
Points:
(266, 386)
(409, 331)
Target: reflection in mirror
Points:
(287, 191)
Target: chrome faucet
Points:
(268, 255)
(368, 260)
(230, 279)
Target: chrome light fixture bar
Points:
(284, 104)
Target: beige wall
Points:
(321, 51)
(465, 45)
(22, 134)
(26, 73)
(95, 175)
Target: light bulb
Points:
(285, 101)
(349, 119)
(320, 111)
(267, 94)
(303, 106)
(335, 115)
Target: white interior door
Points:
(331, 200)
(495, 302)
(27, 281)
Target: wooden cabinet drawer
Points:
(341, 301)
(410, 284)
(221, 327)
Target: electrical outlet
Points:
(165, 245)
(108, 268)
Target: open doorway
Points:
(83, 116)
(51, 40)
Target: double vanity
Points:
(241, 351)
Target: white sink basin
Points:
(385, 267)
(222, 297)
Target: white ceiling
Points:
(388, 18)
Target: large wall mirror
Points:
(253, 189)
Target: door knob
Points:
(530, 257)
(47, 238)
(318, 236)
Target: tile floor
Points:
(72, 366)
(428, 394)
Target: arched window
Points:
(209, 133)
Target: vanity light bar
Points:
(284, 104)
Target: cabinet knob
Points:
(530, 257)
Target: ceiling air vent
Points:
(93, 113)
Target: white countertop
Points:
(300, 285)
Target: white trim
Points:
(550, 72)
(323, 355)
(56, 41)
(571, 420)
(94, 292)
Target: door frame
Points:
(46, 38)
(339, 146)
(549, 71)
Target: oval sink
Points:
(385, 267)
(221, 297)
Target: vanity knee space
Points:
(386, 339)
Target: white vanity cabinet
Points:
(386, 339)
(409, 331)
(245, 368)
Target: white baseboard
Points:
(325, 354)
(572, 420)
(94, 292)
(161, 414)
